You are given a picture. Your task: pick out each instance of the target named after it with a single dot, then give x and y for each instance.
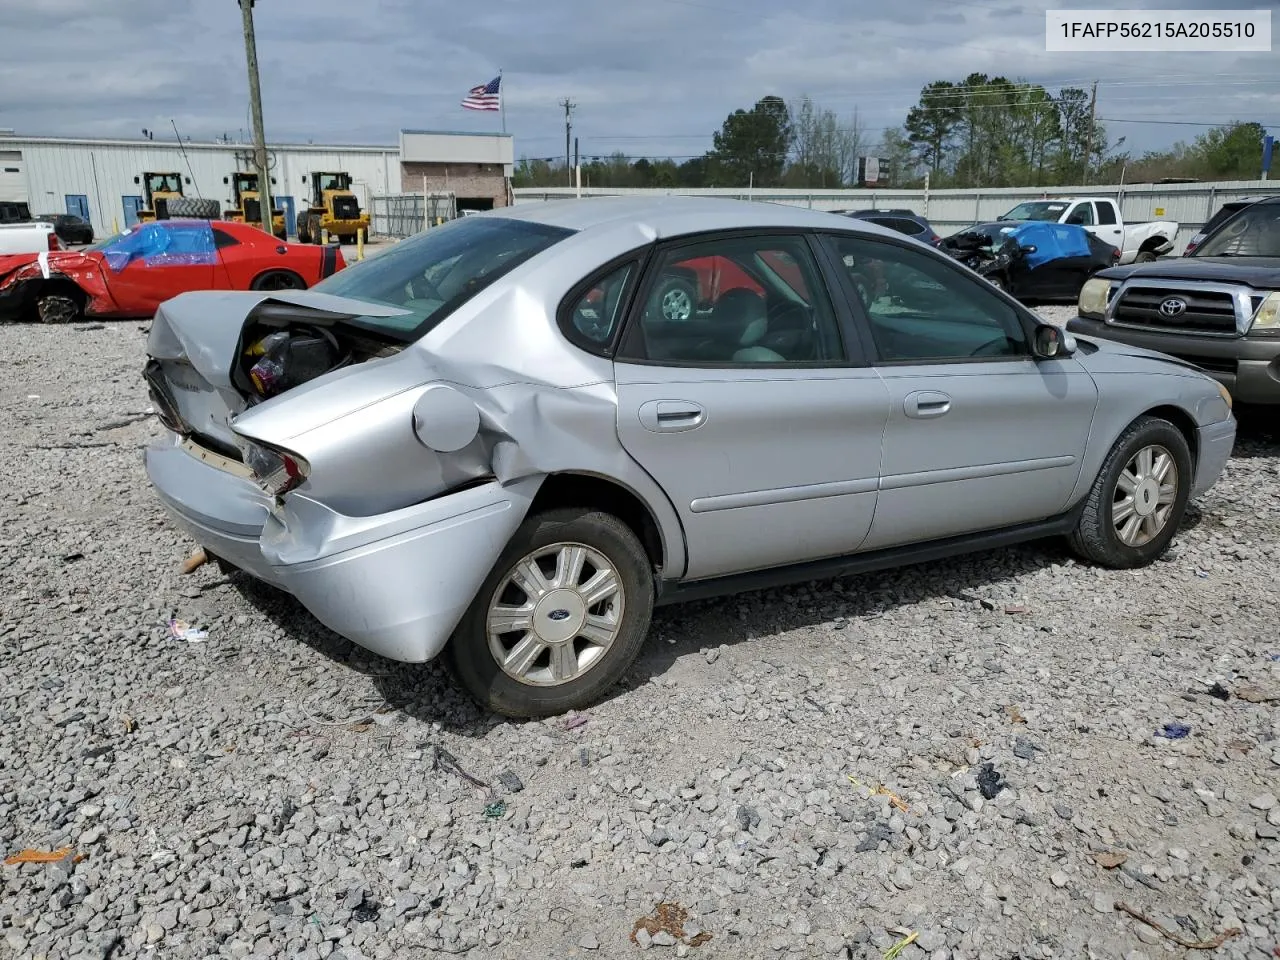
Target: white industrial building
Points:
(101, 179)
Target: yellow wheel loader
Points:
(332, 209)
(157, 190)
(246, 201)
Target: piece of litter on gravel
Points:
(1015, 715)
(1252, 693)
(901, 945)
(1016, 608)
(1212, 944)
(1173, 731)
(41, 856)
(577, 720)
(1109, 859)
(1218, 692)
(509, 780)
(181, 630)
(495, 810)
(990, 781)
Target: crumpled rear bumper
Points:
(395, 583)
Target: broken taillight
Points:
(276, 471)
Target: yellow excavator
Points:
(332, 208)
(247, 203)
(157, 190)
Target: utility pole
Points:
(1088, 140)
(255, 104)
(568, 125)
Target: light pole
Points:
(255, 104)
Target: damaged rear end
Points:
(309, 448)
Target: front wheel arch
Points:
(55, 286)
(264, 280)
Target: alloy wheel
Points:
(676, 304)
(555, 614)
(1145, 493)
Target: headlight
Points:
(1093, 297)
(1267, 319)
(1226, 394)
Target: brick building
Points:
(475, 167)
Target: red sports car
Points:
(131, 273)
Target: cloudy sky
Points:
(652, 78)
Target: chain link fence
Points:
(404, 214)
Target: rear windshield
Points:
(1253, 232)
(435, 272)
(1047, 210)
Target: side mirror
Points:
(1028, 249)
(1052, 343)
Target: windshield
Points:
(1037, 210)
(433, 273)
(1254, 232)
(165, 183)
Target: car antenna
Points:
(186, 158)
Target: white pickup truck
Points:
(1139, 242)
(34, 237)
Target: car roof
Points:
(672, 215)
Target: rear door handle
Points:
(924, 404)
(671, 416)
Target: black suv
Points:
(903, 221)
(69, 228)
(1218, 307)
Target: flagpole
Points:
(502, 101)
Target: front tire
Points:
(60, 306)
(1145, 256)
(560, 617)
(1139, 498)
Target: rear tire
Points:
(194, 208)
(577, 648)
(278, 280)
(1139, 498)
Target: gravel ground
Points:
(272, 792)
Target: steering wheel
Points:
(986, 349)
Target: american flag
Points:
(485, 97)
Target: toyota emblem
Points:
(1173, 307)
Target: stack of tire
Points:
(194, 208)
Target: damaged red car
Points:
(131, 273)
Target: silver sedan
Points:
(507, 438)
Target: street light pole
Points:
(255, 104)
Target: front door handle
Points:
(924, 404)
(671, 416)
